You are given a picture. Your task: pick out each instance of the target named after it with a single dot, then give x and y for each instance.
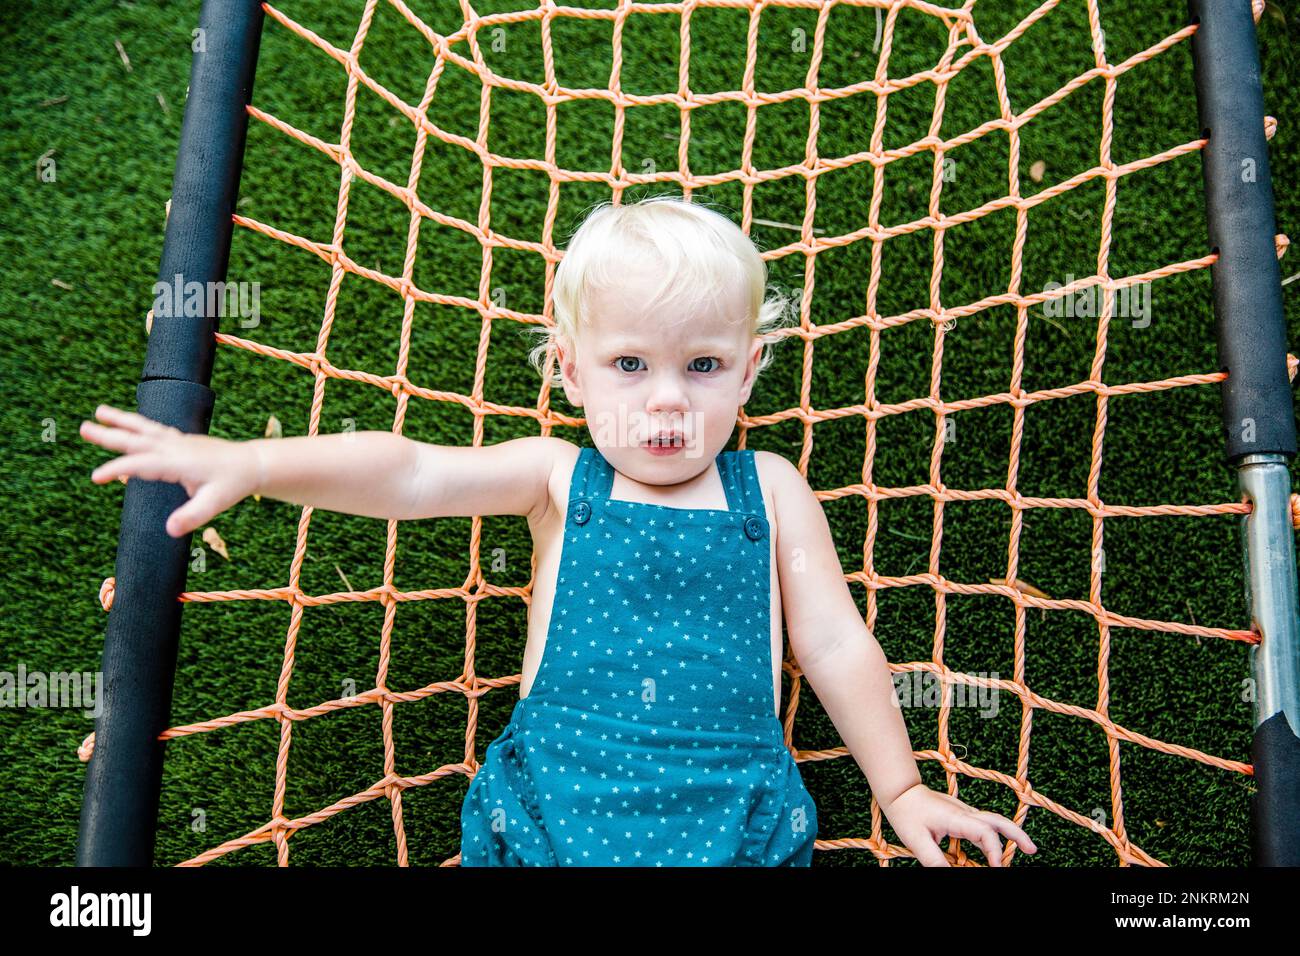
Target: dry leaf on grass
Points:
(213, 541)
(1023, 586)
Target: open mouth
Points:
(666, 441)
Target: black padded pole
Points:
(1258, 415)
(119, 811)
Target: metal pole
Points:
(119, 811)
(1258, 414)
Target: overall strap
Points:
(740, 478)
(593, 477)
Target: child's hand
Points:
(216, 473)
(921, 817)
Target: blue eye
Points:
(704, 358)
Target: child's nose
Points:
(666, 395)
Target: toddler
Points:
(646, 733)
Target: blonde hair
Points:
(702, 251)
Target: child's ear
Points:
(564, 355)
(751, 370)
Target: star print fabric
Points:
(648, 737)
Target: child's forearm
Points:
(361, 473)
(854, 686)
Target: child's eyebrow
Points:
(714, 345)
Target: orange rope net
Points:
(450, 52)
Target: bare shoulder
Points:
(562, 456)
(780, 480)
(776, 472)
(792, 500)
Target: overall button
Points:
(581, 512)
(754, 527)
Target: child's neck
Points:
(703, 490)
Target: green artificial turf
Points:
(98, 228)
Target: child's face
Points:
(638, 375)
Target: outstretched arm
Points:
(370, 473)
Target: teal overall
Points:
(648, 737)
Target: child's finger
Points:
(107, 471)
(198, 510)
(182, 521)
(1009, 830)
(114, 439)
(148, 467)
(928, 853)
(979, 831)
(923, 846)
(130, 420)
(991, 846)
